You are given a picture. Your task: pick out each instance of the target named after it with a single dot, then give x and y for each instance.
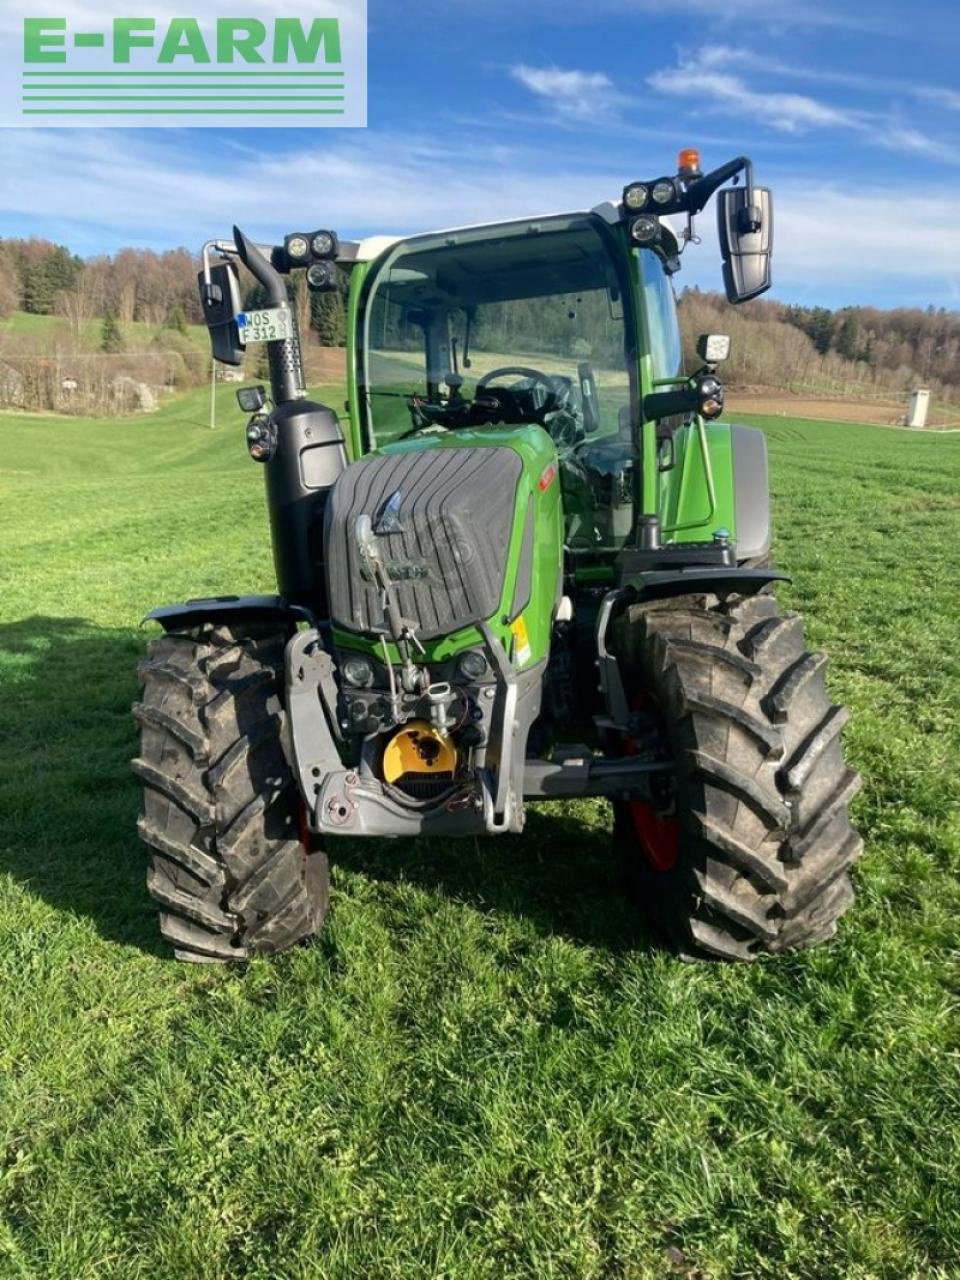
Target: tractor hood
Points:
(468, 530)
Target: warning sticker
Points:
(521, 648)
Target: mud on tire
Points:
(765, 839)
(219, 804)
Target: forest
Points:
(126, 318)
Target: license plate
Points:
(265, 326)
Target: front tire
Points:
(219, 804)
(762, 840)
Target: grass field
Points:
(136, 333)
(484, 1069)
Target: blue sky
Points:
(481, 109)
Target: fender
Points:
(223, 609)
(677, 582)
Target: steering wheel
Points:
(519, 371)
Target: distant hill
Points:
(857, 350)
(55, 306)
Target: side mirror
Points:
(251, 399)
(713, 348)
(746, 241)
(220, 300)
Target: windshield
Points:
(526, 325)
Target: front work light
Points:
(297, 248)
(322, 276)
(664, 191)
(645, 229)
(323, 244)
(635, 196)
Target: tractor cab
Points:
(535, 324)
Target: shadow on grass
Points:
(69, 802)
(563, 874)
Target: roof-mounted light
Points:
(688, 163)
(645, 229)
(323, 244)
(664, 192)
(635, 196)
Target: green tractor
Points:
(528, 564)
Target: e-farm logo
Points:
(218, 69)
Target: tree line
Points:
(857, 349)
(775, 344)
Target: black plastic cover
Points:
(444, 541)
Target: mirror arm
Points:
(699, 192)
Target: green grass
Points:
(136, 333)
(484, 1069)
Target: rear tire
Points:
(220, 809)
(764, 843)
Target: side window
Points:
(660, 309)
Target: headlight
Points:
(323, 244)
(261, 439)
(357, 672)
(297, 248)
(664, 192)
(472, 665)
(645, 229)
(636, 196)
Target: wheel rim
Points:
(658, 837)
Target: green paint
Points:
(240, 37)
(184, 97)
(184, 40)
(172, 111)
(131, 33)
(44, 40)
(291, 43)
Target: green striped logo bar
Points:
(214, 70)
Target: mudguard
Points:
(652, 583)
(223, 609)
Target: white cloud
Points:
(154, 189)
(576, 95)
(701, 80)
(948, 98)
(789, 112)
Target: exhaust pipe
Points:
(285, 356)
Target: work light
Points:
(322, 275)
(323, 244)
(645, 229)
(251, 399)
(636, 196)
(664, 191)
(297, 248)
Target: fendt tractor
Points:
(529, 563)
